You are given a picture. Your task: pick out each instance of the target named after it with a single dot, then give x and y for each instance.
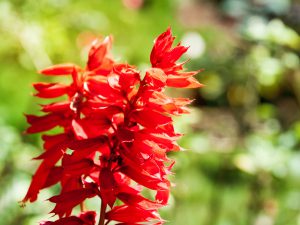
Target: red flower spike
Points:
(116, 129)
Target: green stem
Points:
(102, 213)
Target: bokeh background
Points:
(242, 164)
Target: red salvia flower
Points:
(117, 129)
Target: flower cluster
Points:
(115, 130)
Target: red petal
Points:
(72, 220)
(100, 88)
(146, 180)
(125, 135)
(37, 183)
(124, 77)
(165, 104)
(162, 55)
(162, 196)
(163, 43)
(81, 145)
(43, 123)
(54, 176)
(149, 148)
(66, 201)
(189, 82)
(50, 90)
(162, 139)
(60, 69)
(156, 78)
(138, 201)
(129, 214)
(88, 128)
(158, 223)
(107, 186)
(55, 141)
(76, 168)
(98, 53)
(40, 177)
(89, 217)
(57, 107)
(176, 53)
(151, 119)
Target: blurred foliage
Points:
(242, 164)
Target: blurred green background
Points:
(242, 164)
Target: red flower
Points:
(165, 57)
(117, 128)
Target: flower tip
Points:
(182, 149)
(22, 203)
(200, 70)
(108, 39)
(168, 32)
(169, 29)
(24, 132)
(94, 42)
(200, 85)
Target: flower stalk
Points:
(102, 213)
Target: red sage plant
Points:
(116, 130)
